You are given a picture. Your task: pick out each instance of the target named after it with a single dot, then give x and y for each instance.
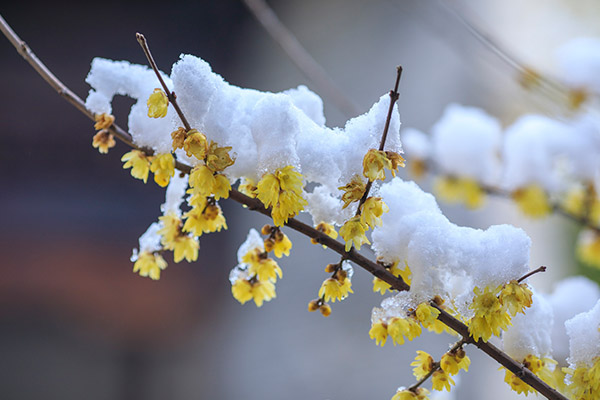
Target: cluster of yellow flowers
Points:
(258, 272)
(206, 182)
(441, 373)
(408, 326)
(372, 208)
(493, 308)
(282, 191)
(542, 367)
(585, 381)
(382, 286)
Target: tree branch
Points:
(255, 205)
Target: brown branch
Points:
(535, 271)
(299, 56)
(352, 255)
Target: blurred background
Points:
(75, 322)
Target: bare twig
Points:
(535, 271)
(299, 56)
(372, 267)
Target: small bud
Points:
(438, 300)
(331, 267)
(266, 230)
(313, 305)
(269, 244)
(314, 241)
(158, 104)
(341, 275)
(325, 310)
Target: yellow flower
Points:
(217, 158)
(178, 138)
(282, 244)
(379, 332)
(158, 104)
(327, 229)
(382, 286)
(163, 167)
(516, 383)
(262, 291)
(533, 201)
(405, 394)
(426, 314)
(149, 264)
(266, 269)
(170, 231)
(423, 364)
(139, 164)
(195, 144)
(185, 247)
(242, 290)
(282, 191)
(417, 168)
(374, 163)
(204, 219)
(103, 121)
(441, 380)
(460, 190)
(248, 187)
(453, 362)
(332, 290)
(401, 328)
(103, 141)
(490, 317)
(353, 191)
(371, 212)
(588, 248)
(515, 297)
(576, 201)
(353, 232)
(396, 159)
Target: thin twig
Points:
(170, 95)
(372, 267)
(299, 56)
(535, 271)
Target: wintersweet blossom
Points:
(542, 367)
(371, 212)
(405, 394)
(103, 121)
(139, 163)
(103, 141)
(163, 167)
(178, 138)
(353, 232)
(149, 264)
(582, 203)
(374, 164)
(282, 191)
(259, 291)
(460, 190)
(533, 201)
(332, 289)
(379, 332)
(217, 157)
(195, 144)
(185, 247)
(158, 104)
(353, 191)
(440, 380)
(266, 269)
(452, 362)
(516, 297)
(423, 364)
(403, 328)
(588, 247)
(382, 286)
(490, 316)
(204, 218)
(281, 244)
